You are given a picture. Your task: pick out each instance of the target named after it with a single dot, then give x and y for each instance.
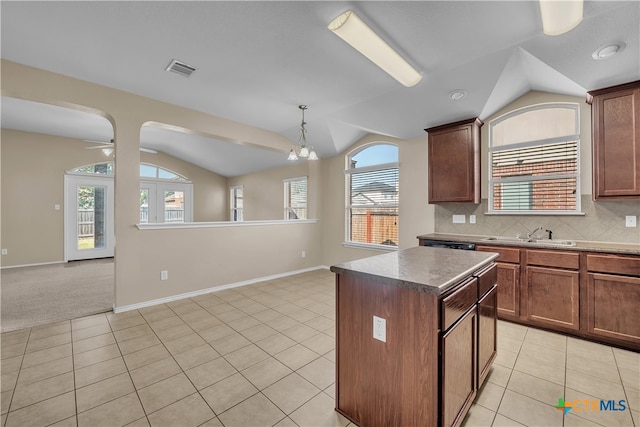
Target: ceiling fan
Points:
(107, 147)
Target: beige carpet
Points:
(31, 296)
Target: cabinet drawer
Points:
(553, 259)
(626, 265)
(487, 278)
(506, 254)
(458, 303)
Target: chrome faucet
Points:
(532, 235)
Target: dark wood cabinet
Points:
(487, 332)
(552, 289)
(553, 297)
(508, 280)
(459, 369)
(613, 298)
(615, 122)
(454, 162)
(438, 350)
(589, 295)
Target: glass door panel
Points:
(89, 217)
(144, 206)
(173, 206)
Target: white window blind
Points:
(539, 176)
(372, 205)
(295, 198)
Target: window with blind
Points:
(534, 161)
(372, 196)
(295, 198)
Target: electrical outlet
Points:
(472, 219)
(303, 254)
(164, 275)
(4, 252)
(379, 329)
(459, 219)
(56, 207)
(631, 221)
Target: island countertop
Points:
(424, 269)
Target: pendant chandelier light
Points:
(302, 149)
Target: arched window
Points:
(165, 196)
(372, 196)
(534, 160)
(146, 171)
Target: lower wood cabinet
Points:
(487, 332)
(459, 369)
(553, 297)
(613, 306)
(508, 264)
(590, 295)
(508, 290)
(612, 309)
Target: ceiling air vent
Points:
(180, 68)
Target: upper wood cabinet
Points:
(615, 124)
(454, 162)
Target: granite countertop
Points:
(430, 270)
(581, 245)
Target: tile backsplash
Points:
(601, 222)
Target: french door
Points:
(165, 201)
(89, 209)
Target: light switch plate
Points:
(459, 219)
(379, 329)
(631, 221)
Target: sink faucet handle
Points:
(550, 234)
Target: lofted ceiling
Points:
(258, 60)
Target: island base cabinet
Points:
(612, 307)
(459, 369)
(392, 383)
(487, 333)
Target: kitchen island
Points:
(415, 335)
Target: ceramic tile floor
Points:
(263, 355)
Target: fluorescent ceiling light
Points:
(354, 31)
(560, 16)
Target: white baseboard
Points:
(32, 265)
(192, 294)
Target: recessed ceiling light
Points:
(457, 94)
(608, 50)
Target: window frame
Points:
(348, 171)
(233, 208)
(534, 143)
(287, 198)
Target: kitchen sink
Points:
(543, 242)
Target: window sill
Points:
(370, 246)
(220, 224)
(538, 213)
